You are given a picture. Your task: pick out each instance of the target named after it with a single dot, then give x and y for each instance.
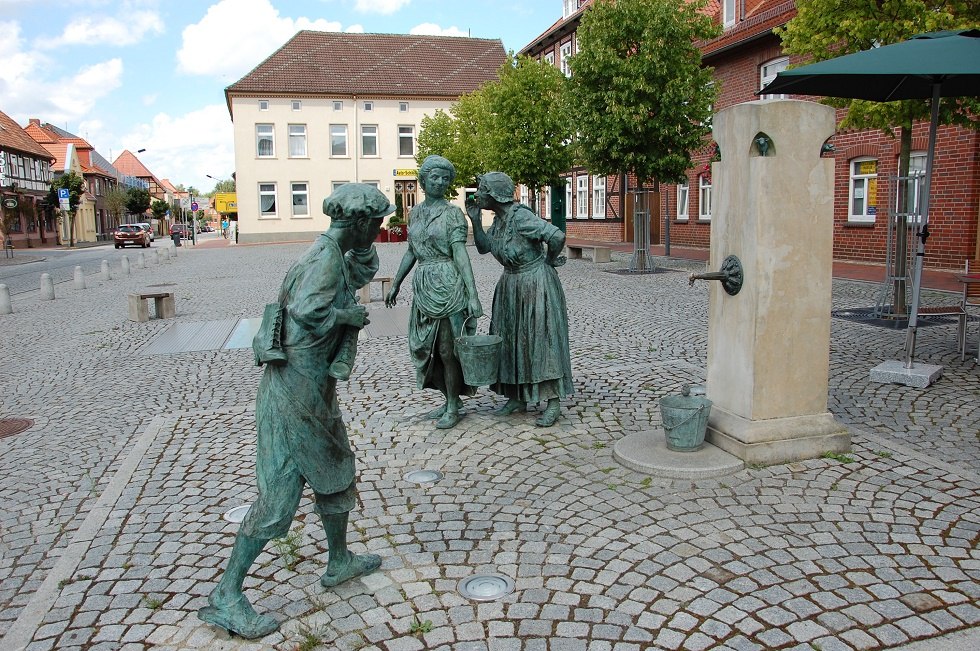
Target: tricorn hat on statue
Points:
(354, 201)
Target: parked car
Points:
(148, 229)
(182, 229)
(130, 234)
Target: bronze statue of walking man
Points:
(301, 436)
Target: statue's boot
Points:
(449, 419)
(550, 415)
(227, 606)
(513, 405)
(437, 413)
(342, 565)
(238, 617)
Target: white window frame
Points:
(336, 184)
(565, 52)
(267, 190)
(368, 107)
(406, 131)
(364, 139)
(917, 170)
(263, 105)
(300, 190)
(568, 198)
(860, 187)
(338, 105)
(582, 196)
(728, 9)
(336, 131)
(523, 195)
(683, 200)
(268, 132)
(296, 105)
(569, 7)
(767, 73)
(297, 141)
(549, 58)
(598, 197)
(376, 184)
(704, 198)
(403, 107)
(547, 202)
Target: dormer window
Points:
(728, 12)
(569, 7)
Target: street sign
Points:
(62, 194)
(65, 205)
(194, 206)
(9, 203)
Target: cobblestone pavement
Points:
(111, 529)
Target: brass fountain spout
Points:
(730, 275)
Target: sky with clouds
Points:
(150, 74)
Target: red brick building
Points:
(744, 58)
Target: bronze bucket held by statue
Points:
(479, 357)
(685, 421)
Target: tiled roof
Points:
(59, 152)
(335, 63)
(13, 137)
(760, 18)
(128, 164)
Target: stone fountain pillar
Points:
(769, 344)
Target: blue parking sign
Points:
(62, 193)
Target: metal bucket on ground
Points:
(685, 421)
(479, 357)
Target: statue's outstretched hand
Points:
(558, 261)
(474, 308)
(472, 210)
(392, 298)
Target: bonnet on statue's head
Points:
(499, 185)
(355, 201)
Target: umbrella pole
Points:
(923, 230)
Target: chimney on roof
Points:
(36, 122)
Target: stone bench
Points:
(599, 253)
(164, 306)
(365, 292)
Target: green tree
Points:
(529, 137)
(115, 201)
(460, 136)
(159, 208)
(224, 185)
(640, 98)
(75, 185)
(825, 29)
(138, 201)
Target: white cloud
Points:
(380, 6)
(29, 91)
(150, 99)
(236, 35)
(185, 148)
(107, 30)
(431, 29)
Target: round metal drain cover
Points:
(237, 514)
(13, 426)
(423, 476)
(485, 587)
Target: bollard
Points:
(140, 261)
(47, 287)
(105, 270)
(125, 265)
(79, 278)
(156, 258)
(5, 307)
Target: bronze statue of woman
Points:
(443, 290)
(529, 310)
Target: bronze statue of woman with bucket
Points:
(443, 289)
(529, 309)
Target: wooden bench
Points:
(364, 293)
(164, 306)
(599, 253)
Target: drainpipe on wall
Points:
(354, 139)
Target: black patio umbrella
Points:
(933, 65)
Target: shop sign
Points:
(405, 173)
(10, 203)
